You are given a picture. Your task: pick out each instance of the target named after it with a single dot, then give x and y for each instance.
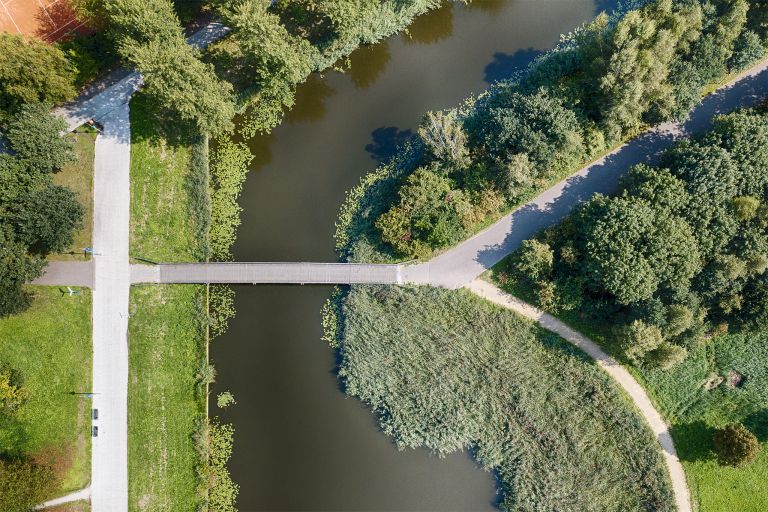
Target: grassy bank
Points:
(694, 412)
(447, 370)
(78, 177)
(163, 227)
(167, 349)
(50, 345)
(78, 506)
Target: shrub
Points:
(745, 207)
(225, 399)
(638, 339)
(534, 260)
(666, 355)
(24, 484)
(735, 445)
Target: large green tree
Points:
(33, 135)
(32, 71)
(149, 37)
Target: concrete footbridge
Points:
(267, 273)
(60, 273)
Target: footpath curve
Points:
(613, 368)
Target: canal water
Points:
(300, 443)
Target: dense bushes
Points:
(149, 37)
(275, 47)
(36, 216)
(681, 250)
(607, 81)
(447, 371)
(32, 71)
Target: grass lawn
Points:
(166, 346)
(694, 412)
(50, 345)
(447, 370)
(78, 176)
(162, 228)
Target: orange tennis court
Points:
(49, 20)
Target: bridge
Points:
(60, 273)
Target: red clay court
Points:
(49, 20)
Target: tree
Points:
(638, 339)
(149, 36)
(643, 44)
(180, 82)
(46, 218)
(735, 445)
(32, 71)
(631, 249)
(16, 268)
(34, 136)
(534, 259)
(745, 207)
(747, 49)
(444, 136)
(430, 214)
(24, 484)
(537, 125)
(276, 55)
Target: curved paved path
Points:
(612, 367)
(81, 495)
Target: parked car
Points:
(95, 414)
(95, 431)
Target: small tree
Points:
(638, 339)
(46, 219)
(534, 259)
(12, 393)
(735, 445)
(666, 355)
(444, 135)
(745, 207)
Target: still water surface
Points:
(300, 444)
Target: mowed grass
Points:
(162, 228)
(50, 345)
(166, 348)
(693, 412)
(78, 177)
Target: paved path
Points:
(111, 286)
(613, 368)
(111, 277)
(81, 495)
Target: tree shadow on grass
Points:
(757, 423)
(693, 441)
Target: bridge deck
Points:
(267, 273)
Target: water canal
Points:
(300, 443)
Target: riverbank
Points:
(183, 208)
